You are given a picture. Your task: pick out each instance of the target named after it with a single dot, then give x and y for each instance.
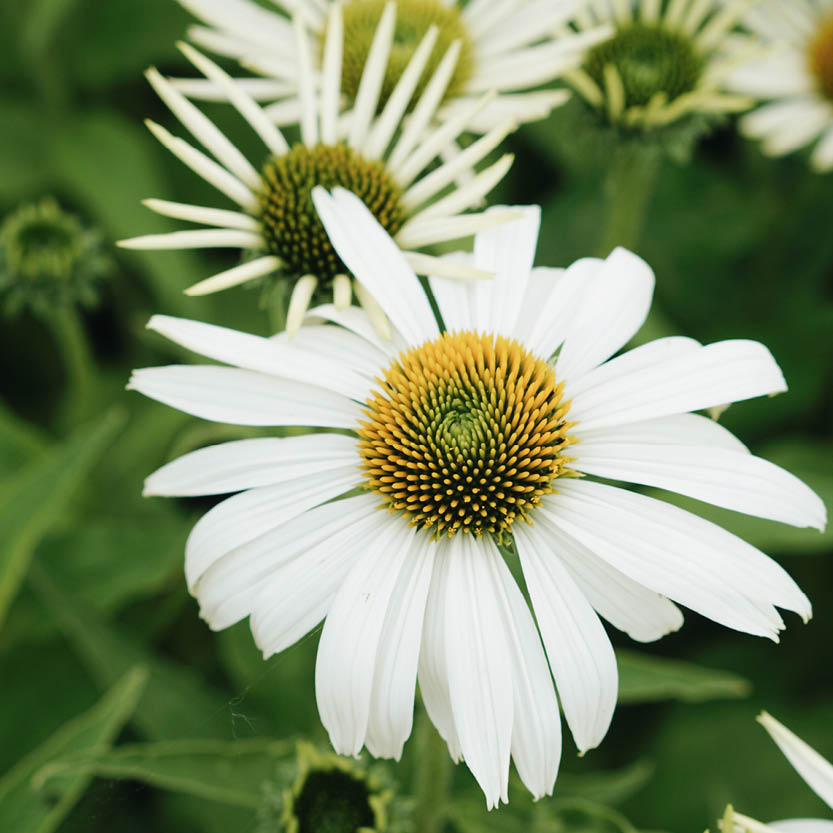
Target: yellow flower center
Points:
(466, 432)
(413, 20)
(291, 227)
(821, 57)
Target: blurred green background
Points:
(91, 579)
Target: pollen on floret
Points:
(465, 433)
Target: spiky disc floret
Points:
(466, 432)
(290, 224)
(413, 20)
(650, 59)
(821, 58)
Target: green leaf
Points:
(176, 702)
(40, 494)
(27, 805)
(19, 442)
(606, 787)
(232, 772)
(646, 679)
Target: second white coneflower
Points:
(391, 167)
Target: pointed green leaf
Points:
(27, 803)
(38, 496)
(645, 679)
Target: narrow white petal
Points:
(202, 239)
(247, 464)
(394, 682)
(347, 652)
(624, 390)
(376, 262)
(445, 267)
(248, 515)
(306, 84)
(243, 397)
(203, 215)
(260, 354)
(299, 303)
(373, 76)
(579, 651)
(297, 593)
(237, 275)
(357, 321)
(812, 767)
(674, 553)
(614, 307)
(642, 614)
(331, 82)
(419, 233)
(479, 664)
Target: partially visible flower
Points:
(506, 47)
(666, 61)
(323, 793)
(796, 75)
(481, 439)
(391, 168)
(48, 258)
(812, 767)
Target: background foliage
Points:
(101, 648)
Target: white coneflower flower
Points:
(392, 170)
(796, 74)
(812, 767)
(666, 60)
(472, 436)
(502, 46)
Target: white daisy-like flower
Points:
(812, 767)
(796, 75)
(666, 60)
(474, 437)
(394, 170)
(501, 45)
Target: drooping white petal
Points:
(674, 553)
(265, 355)
(242, 397)
(357, 321)
(248, 515)
(394, 681)
(613, 308)
(247, 464)
(812, 767)
(479, 665)
(536, 728)
(377, 263)
(641, 613)
(732, 479)
(347, 652)
(626, 389)
(802, 826)
(297, 593)
(579, 651)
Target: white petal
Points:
(376, 261)
(692, 561)
(246, 464)
(732, 479)
(579, 651)
(455, 298)
(542, 281)
(642, 614)
(346, 662)
(536, 730)
(626, 390)
(229, 589)
(803, 826)
(508, 251)
(243, 397)
(297, 593)
(433, 664)
(357, 321)
(288, 361)
(614, 306)
(812, 767)
(248, 515)
(479, 665)
(394, 682)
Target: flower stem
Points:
(628, 188)
(276, 307)
(432, 782)
(71, 342)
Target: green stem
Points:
(432, 782)
(628, 188)
(277, 306)
(71, 342)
